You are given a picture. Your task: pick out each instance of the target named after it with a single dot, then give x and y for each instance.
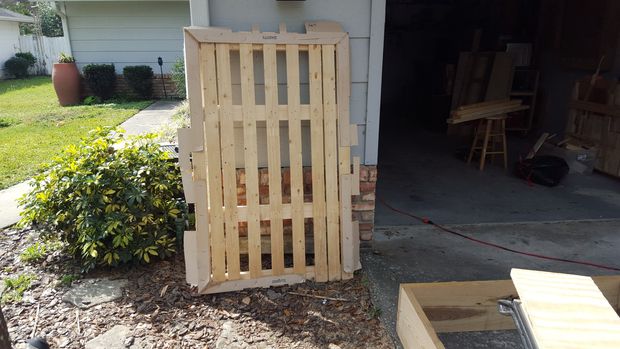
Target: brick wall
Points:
(363, 204)
(123, 89)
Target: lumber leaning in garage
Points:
(214, 250)
(425, 309)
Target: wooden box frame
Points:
(425, 309)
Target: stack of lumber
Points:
(594, 119)
(484, 110)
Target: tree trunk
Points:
(5, 341)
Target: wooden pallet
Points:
(425, 309)
(594, 119)
(213, 252)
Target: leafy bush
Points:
(27, 56)
(112, 200)
(17, 67)
(178, 77)
(65, 58)
(101, 79)
(140, 79)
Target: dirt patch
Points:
(162, 311)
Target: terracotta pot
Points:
(66, 80)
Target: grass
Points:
(33, 253)
(33, 127)
(14, 288)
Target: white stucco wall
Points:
(355, 18)
(127, 32)
(9, 42)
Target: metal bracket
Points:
(514, 308)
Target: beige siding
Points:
(127, 32)
(353, 15)
(9, 42)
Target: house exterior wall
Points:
(9, 42)
(363, 20)
(127, 32)
(353, 15)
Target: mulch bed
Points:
(162, 311)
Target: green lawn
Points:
(33, 127)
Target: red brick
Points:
(367, 187)
(364, 206)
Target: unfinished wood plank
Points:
(265, 212)
(295, 155)
(413, 327)
(194, 98)
(283, 112)
(212, 137)
(318, 163)
(346, 224)
(467, 306)
(229, 173)
(343, 68)
(483, 104)
(185, 165)
(541, 140)
(477, 116)
(273, 159)
(267, 38)
(566, 311)
(500, 80)
(596, 108)
(250, 150)
(331, 161)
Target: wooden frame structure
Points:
(425, 309)
(213, 251)
(597, 123)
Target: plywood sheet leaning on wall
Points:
(223, 73)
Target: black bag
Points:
(545, 169)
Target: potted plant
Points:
(66, 80)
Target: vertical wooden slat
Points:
(344, 90)
(273, 159)
(318, 163)
(192, 62)
(344, 154)
(248, 98)
(214, 171)
(296, 164)
(224, 93)
(331, 161)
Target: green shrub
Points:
(14, 288)
(178, 77)
(101, 79)
(17, 67)
(65, 58)
(28, 57)
(140, 79)
(112, 200)
(33, 253)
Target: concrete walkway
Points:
(145, 121)
(151, 118)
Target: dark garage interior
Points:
(422, 166)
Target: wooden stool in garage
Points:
(491, 132)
